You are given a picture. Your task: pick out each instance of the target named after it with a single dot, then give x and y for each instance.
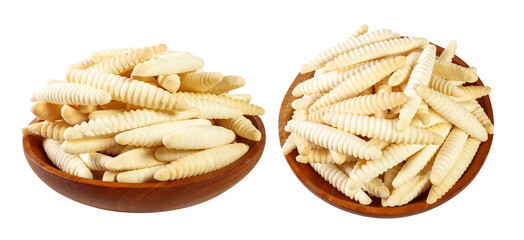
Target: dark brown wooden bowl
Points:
(144, 197)
(322, 189)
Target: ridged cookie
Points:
(168, 64)
(357, 83)
(88, 145)
(202, 162)
(454, 112)
(420, 76)
(448, 154)
(384, 129)
(402, 74)
(68, 163)
(123, 122)
(334, 139)
(152, 135)
(241, 126)
(376, 50)
(71, 93)
(349, 44)
(47, 111)
(339, 179)
(228, 83)
(199, 81)
(134, 159)
(128, 90)
(466, 156)
(392, 155)
(198, 137)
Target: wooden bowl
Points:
(144, 197)
(322, 189)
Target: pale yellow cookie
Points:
(420, 76)
(289, 145)
(357, 83)
(448, 154)
(109, 53)
(109, 176)
(53, 130)
(103, 113)
(124, 121)
(114, 105)
(246, 108)
(122, 63)
(170, 82)
(349, 44)
(443, 86)
(334, 139)
(459, 167)
(47, 111)
(71, 93)
(454, 72)
(392, 155)
(72, 116)
(202, 162)
(376, 50)
(95, 161)
(199, 81)
(228, 83)
(133, 159)
(423, 113)
(448, 53)
(241, 97)
(168, 155)
(68, 163)
(362, 105)
(454, 112)
(87, 108)
(323, 83)
(128, 90)
(390, 174)
(304, 146)
(152, 135)
(141, 175)
(472, 93)
(402, 74)
(481, 115)
(198, 137)
(88, 145)
(360, 30)
(339, 179)
(212, 109)
(168, 64)
(418, 161)
(304, 102)
(113, 150)
(383, 129)
(241, 126)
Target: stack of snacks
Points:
(384, 116)
(142, 114)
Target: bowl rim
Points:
(257, 146)
(349, 205)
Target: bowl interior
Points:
(321, 188)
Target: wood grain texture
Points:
(144, 197)
(322, 189)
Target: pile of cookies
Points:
(142, 114)
(384, 116)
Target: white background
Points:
(266, 42)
